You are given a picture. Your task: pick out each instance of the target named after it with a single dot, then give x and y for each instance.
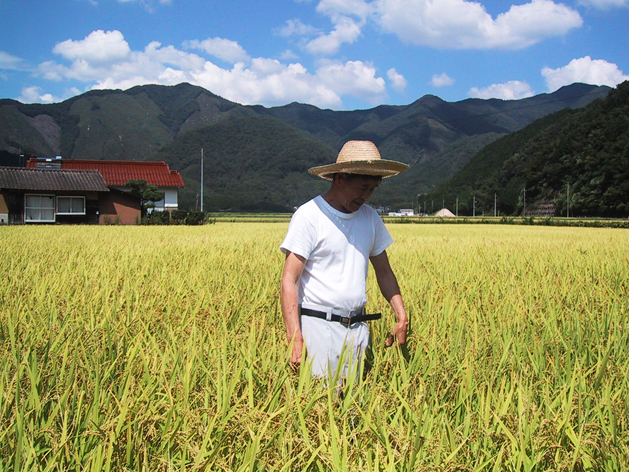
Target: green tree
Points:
(148, 194)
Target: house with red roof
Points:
(118, 206)
(32, 196)
(118, 173)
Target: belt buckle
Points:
(345, 321)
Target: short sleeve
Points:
(382, 238)
(300, 238)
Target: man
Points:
(329, 244)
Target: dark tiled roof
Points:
(20, 178)
(120, 172)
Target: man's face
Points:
(356, 190)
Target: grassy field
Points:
(162, 349)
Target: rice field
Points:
(163, 349)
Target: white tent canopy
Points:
(444, 212)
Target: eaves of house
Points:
(118, 173)
(55, 180)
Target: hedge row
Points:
(570, 222)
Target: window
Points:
(39, 208)
(70, 205)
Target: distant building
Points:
(81, 191)
(118, 173)
(402, 212)
(32, 196)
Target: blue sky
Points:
(338, 54)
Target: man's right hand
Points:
(295, 355)
(293, 267)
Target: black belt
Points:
(344, 320)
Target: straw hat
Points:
(359, 157)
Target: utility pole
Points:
(201, 179)
(419, 205)
(495, 196)
(568, 202)
(432, 206)
(21, 160)
(474, 205)
(524, 210)
(457, 206)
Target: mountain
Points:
(251, 163)
(110, 124)
(585, 151)
(435, 137)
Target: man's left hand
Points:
(399, 333)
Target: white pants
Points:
(328, 341)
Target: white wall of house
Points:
(170, 200)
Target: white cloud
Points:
(35, 95)
(337, 8)
(462, 24)
(224, 49)
(288, 55)
(586, 70)
(512, 90)
(257, 81)
(268, 82)
(604, 4)
(149, 5)
(355, 78)
(9, 62)
(398, 82)
(348, 18)
(295, 28)
(441, 80)
(137, 68)
(346, 30)
(71, 92)
(98, 47)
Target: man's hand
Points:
(391, 291)
(295, 355)
(399, 333)
(293, 267)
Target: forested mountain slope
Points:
(435, 137)
(584, 150)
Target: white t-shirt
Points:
(337, 247)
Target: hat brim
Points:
(377, 167)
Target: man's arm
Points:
(391, 291)
(293, 267)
